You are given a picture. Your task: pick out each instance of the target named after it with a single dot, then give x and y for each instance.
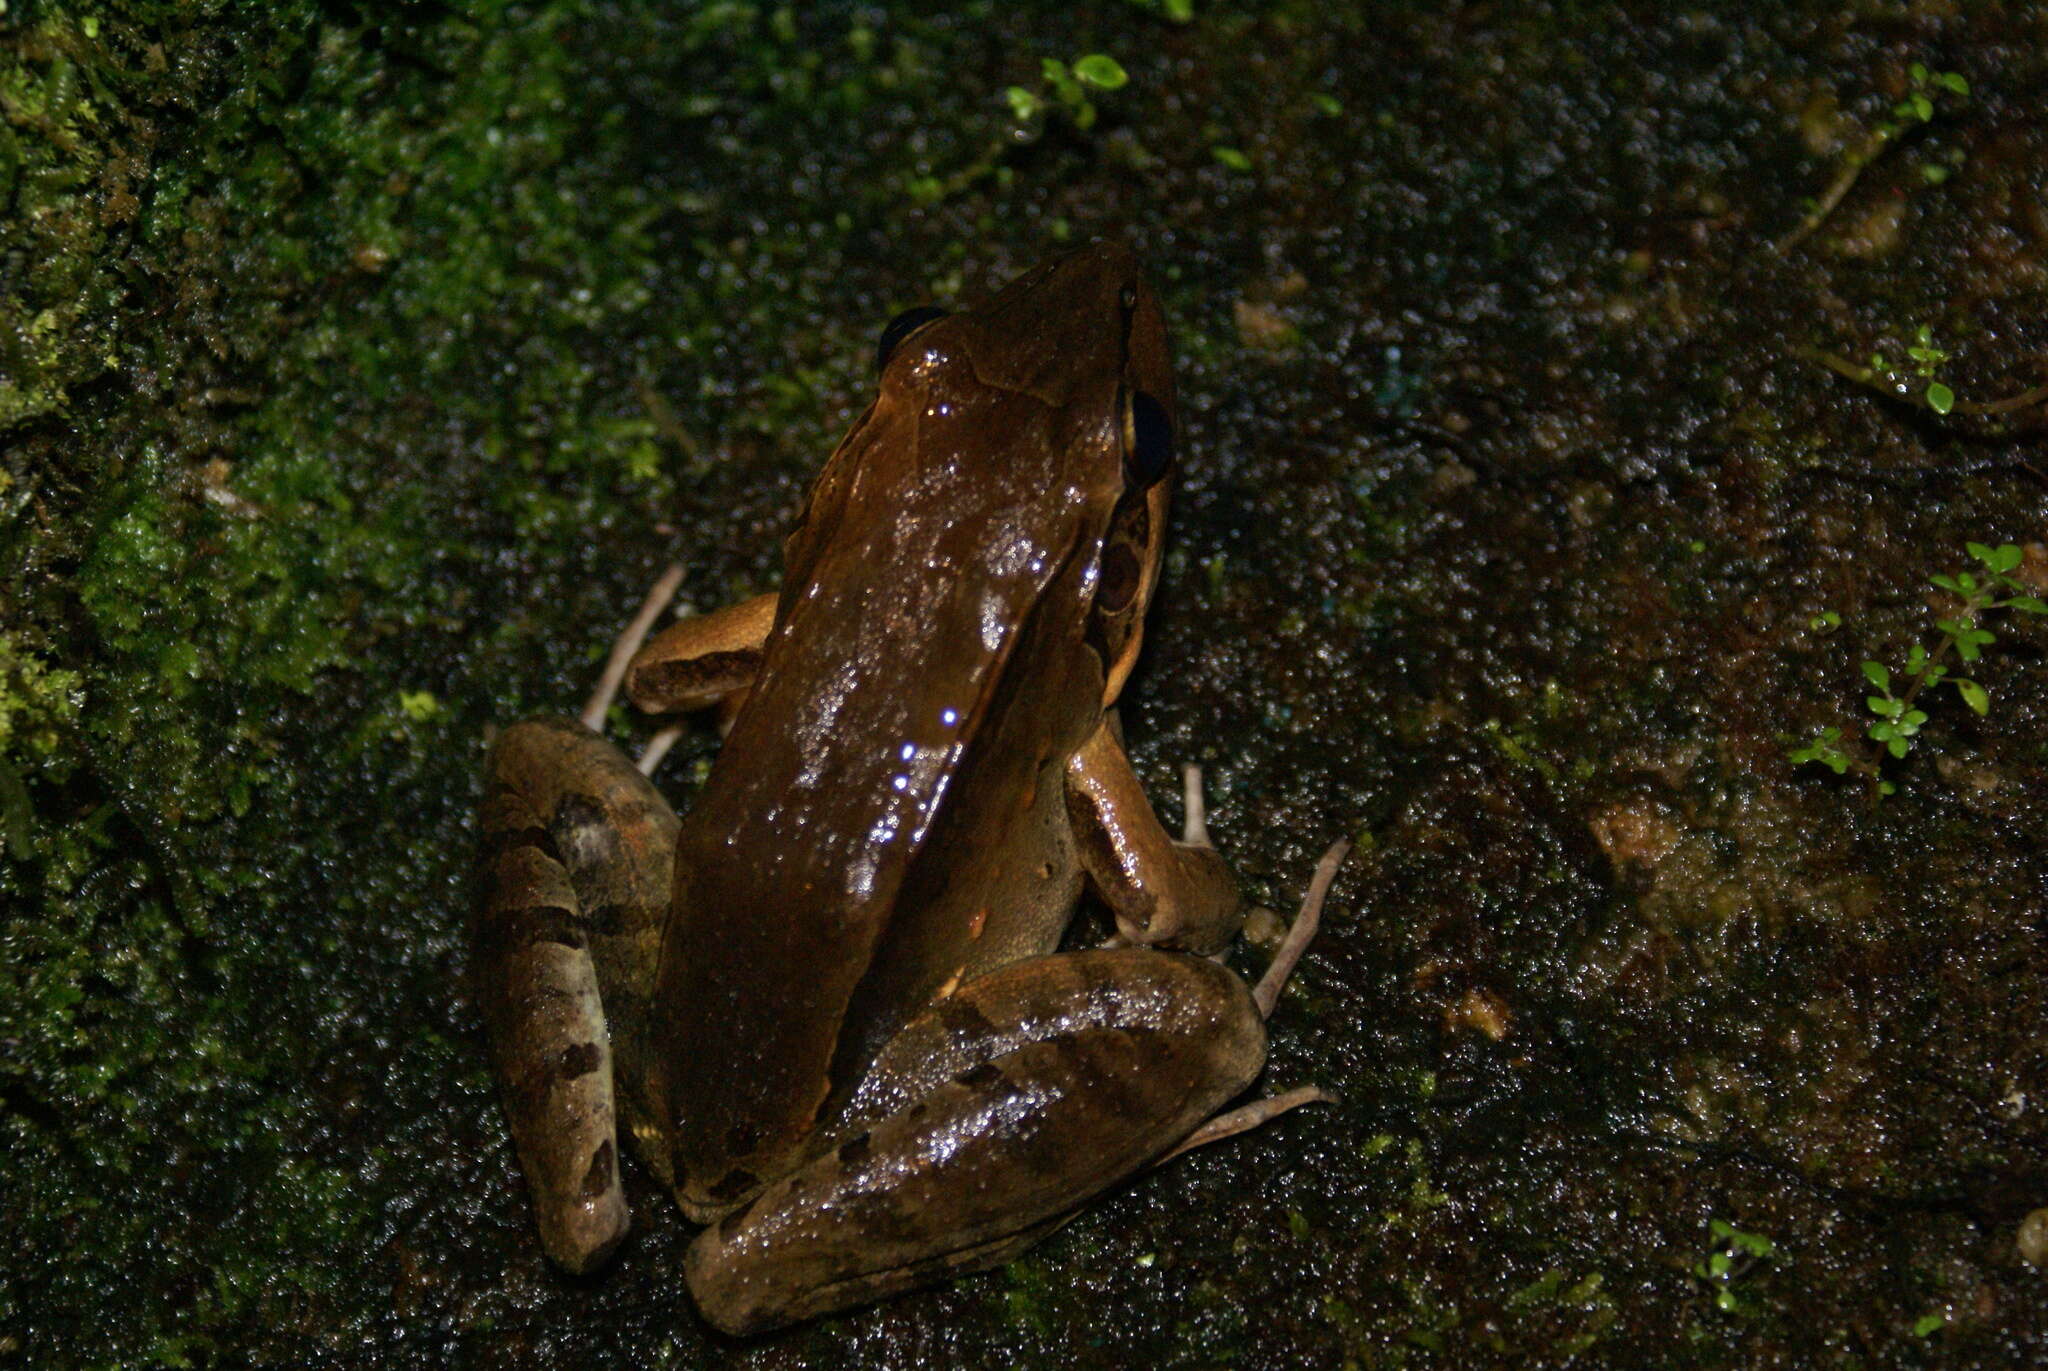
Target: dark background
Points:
(360, 366)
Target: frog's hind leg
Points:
(984, 1124)
(992, 1117)
(577, 856)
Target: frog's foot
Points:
(1247, 1117)
(627, 645)
(703, 660)
(694, 663)
(1307, 920)
(1267, 994)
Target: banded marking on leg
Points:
(538, 990)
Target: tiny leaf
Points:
(1940, 398)
(1101, 70)
(1877, 675)
(1973, 695)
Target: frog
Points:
(828, 1005)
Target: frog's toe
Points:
(1299, 933)
(1195, 825)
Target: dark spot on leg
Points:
(603, 1166)
(581, 1060)
(562, 935)
(504, 932)
(965, 1022)
(607, 919)
(693, 677)
(1097, 849)
(504, 840)
(585, 832)
(856, 1151)
(981, 1077)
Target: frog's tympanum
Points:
(826, 1004)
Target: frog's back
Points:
(893, 777)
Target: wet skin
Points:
(826, 1004)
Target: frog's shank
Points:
(572, 880)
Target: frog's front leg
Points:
(574, 881)
(1163, 892)
(704, 660)
(983, 1125)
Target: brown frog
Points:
(826, 1003)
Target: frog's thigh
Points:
(988, 1119)
(1163, 892)
(699, 661)
(576, 844)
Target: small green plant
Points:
(1065, 88)
(1917, 383)
(1173, 11)
(1731, 1255)
(1917, 109)
(1925, 358)
(1896, 694)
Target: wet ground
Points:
(1566, 426)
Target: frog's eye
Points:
(900, 328)
(1148, 440)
